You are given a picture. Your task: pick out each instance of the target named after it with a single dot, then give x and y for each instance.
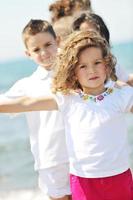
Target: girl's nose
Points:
(91, 69)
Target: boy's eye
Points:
(36, 50)
(82, 66)
(48, 44)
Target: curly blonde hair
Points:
(64, 79)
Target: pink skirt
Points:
(118, 187)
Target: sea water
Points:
(17, 175)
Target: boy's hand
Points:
(130, 80)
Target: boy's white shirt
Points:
(96, 133)
(47, 134)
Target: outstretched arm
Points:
(25, 104)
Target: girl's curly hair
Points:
(62, 8)
(64, 78)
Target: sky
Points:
(14, 15)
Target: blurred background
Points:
(18, 179)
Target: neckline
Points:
(100, 97)
(42, 73)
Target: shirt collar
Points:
(42, 73)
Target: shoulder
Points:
(20, 86)
(65, 100)
(123, 90)
(24, 81)
(124, 97)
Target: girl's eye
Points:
(98, 62)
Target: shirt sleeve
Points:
(17, 90)
(63, 101)
(121, 73)
(126, 98)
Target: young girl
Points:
(93, 116)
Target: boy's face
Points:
(42, 48)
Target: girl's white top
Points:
(96, 132)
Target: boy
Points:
(50, 156)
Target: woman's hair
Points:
(64, 78)
(63, 27)
(62, 8)
(93, 19)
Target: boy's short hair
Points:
(35, 26)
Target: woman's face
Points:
(87, 26)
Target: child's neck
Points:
(48, 68)
(94, 91)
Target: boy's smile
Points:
(42, 48)
(91, 71)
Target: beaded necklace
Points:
(97, 98)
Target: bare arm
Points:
(132, 109)
(25, 104)
(130, 80)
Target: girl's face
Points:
(91, 71)
(42, 48)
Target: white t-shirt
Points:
(96, 132)
(47, 135)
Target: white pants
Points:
(54, 181)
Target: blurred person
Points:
(47, 134)
(62, 8)
(63, 28)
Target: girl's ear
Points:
(108, 73)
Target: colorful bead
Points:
(97, 98)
